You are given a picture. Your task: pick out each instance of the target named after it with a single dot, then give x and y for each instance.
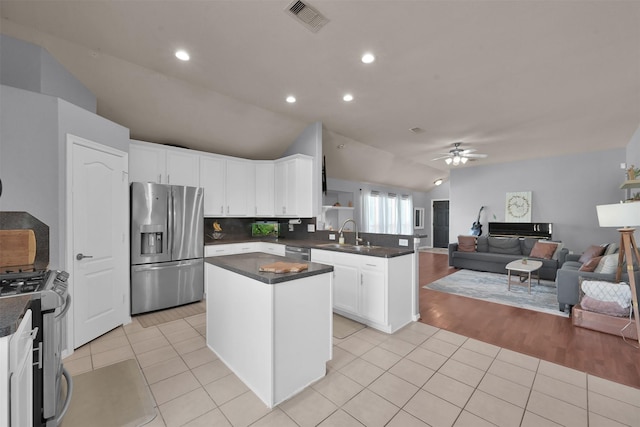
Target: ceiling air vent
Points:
(307, 15)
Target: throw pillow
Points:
(607, 291)
(543, 250)
(608, 264)
(591, 252)
(612, 248)
(466, 243)
(591, 264)
(604, 307)
(559, 246)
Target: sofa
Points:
(494, 253)
(569, 275)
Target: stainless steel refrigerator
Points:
(167, 246)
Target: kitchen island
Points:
(273, 330)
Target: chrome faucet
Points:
(358, 239)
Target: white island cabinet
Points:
(274, 331)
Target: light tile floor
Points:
(419, 376)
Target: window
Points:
(387, 213)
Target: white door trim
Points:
(69, 260)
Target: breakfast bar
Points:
(273, 330)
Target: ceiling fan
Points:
(458, 155)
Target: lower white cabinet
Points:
(375, 291)
(16, 376)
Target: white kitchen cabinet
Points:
(220, 250)
(212, 179)
(240, 188)
(163, 165)
(182, 167)
(293, 192)
(16, 376)
(229, 186)
(375, 291)
(265, 188)
(147, 162)
(272, 248)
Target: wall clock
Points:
(518, 207)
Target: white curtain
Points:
(387, 213)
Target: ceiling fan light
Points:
(448, 160)
(456, 160)
(464, 160)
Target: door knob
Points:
(80, 257)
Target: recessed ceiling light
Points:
(347, 98)
(340, 146)
(291, 99)
(182, 55)
(368, 58)
(438, 181)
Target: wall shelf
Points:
(327, 208)
(630, 183)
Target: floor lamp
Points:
(625, 215)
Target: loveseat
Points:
(494, 253)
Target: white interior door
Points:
(99, 227)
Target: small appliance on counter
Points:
(167, 246)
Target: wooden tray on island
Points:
(283, 267)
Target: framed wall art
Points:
(518, 207)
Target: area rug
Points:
(171, 314)
(115, 395)
(343, 327)
(493, 287)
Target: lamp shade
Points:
(619, 214)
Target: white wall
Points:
(33, 139)
(565, 191)
(27, 66)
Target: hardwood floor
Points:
(541, 335)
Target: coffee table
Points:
(529, 267)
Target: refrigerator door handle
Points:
(170, 221)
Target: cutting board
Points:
(17, 247)
(283, 267)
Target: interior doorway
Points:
(440, 223)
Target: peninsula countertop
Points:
(376, 250)
(248, 265)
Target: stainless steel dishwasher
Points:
(295, 252)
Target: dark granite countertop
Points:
(377, 251)
(248, 265)
(11, 310)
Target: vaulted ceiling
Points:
(511, 79)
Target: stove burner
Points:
(21, 282)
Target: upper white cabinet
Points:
(212, 179)
(182, 167)
(265, 188)
(294, 186)
(233, 187)
(229, 186)
(240, 188)
(163, 165)
(147, 162)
